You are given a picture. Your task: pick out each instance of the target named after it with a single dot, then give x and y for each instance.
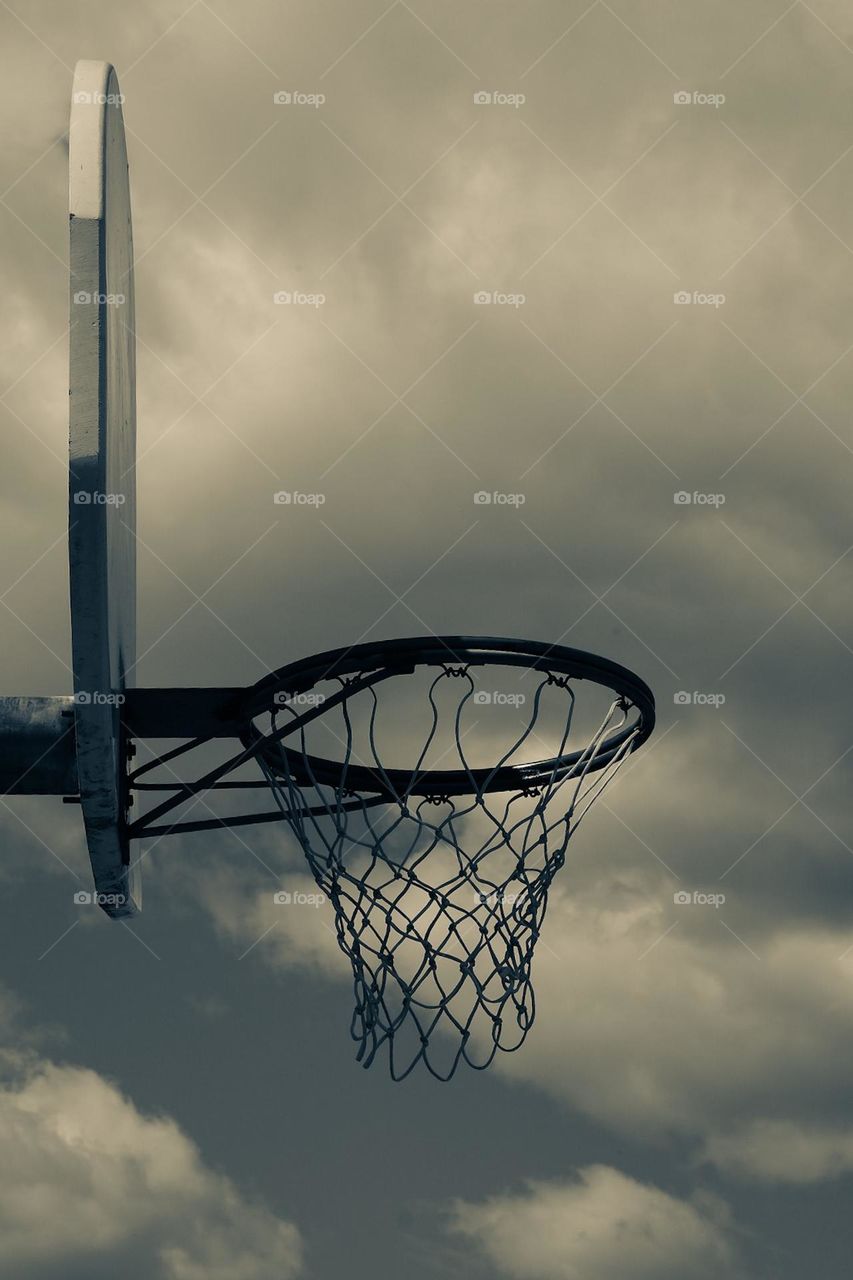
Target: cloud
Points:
(655, 1018)
(83, 1174)
(651, 1018)
(783, 1151)
(604, 1226)
(296, 934)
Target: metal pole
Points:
(37, 747)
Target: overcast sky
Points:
(179, 1094)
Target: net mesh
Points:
(439, 898)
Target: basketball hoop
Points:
(433, 784)
(439, 878)
(438, 867)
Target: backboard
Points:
(102, 489)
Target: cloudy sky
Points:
(655, 197)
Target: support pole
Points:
(37, 748)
